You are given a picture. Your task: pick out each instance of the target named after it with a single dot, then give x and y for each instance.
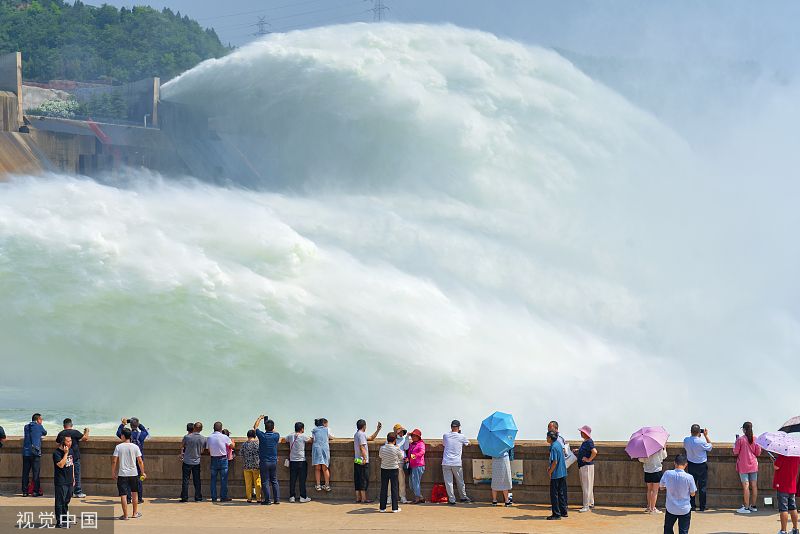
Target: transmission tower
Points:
(378, 10)
(262, 26)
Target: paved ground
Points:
(169, 516)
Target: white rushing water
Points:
(451, 224)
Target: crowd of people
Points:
(402, 463)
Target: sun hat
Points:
(416, 432)
(398, 427)
(586, 429)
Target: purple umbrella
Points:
(779, 443)
(647, 441)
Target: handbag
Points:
(569, 456)
(439, 493)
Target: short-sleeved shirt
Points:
(63, 476)
(391, 456)
(127, 453)
(297, 447)
(268, 446)
(585, 451)
(249, 451)
(785, 478)
(76, 436)
(217, 444)
(679, 485)
(193, 446)
(746, 455)
(359, 439)
(453, 443)
(557, 455)
(696, 449)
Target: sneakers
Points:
(656, 511)
(326, 487)
(743, 510)
(553, 518)
(291, 499)
(396, 511)
(81, 495)
(318, 487)
(585, 509)
(754, 510)
(508, 503)
(403, 500)
(382, 510)
(305, 499)
(466, 500)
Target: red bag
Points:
(439, 494)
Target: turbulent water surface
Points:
(450, 224)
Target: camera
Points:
(128, 420)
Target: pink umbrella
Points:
(647, 441)
(779, 443)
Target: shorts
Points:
(652, 478)
(748, 477)
(361, 476)
(126, 484)
(786, 502)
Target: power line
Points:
(292, 15)
(271, 8)
(321, 22)
(378, 9)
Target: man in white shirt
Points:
(217, 445)
(123, 468)
(402, 444)
(453, 443)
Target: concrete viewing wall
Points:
(618, 479)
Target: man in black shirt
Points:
(77, 437)
(63, 477)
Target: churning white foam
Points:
(449, 224)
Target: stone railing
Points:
(618, 479)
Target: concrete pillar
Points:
(11, 79)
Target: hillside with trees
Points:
(61, 40)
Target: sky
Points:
(764, 32)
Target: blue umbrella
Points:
(497, 434)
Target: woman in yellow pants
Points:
(252, 474)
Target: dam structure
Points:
(157, 135)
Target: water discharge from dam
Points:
(449, 224)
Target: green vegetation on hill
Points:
(60, 40)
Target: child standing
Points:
(321, 453)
